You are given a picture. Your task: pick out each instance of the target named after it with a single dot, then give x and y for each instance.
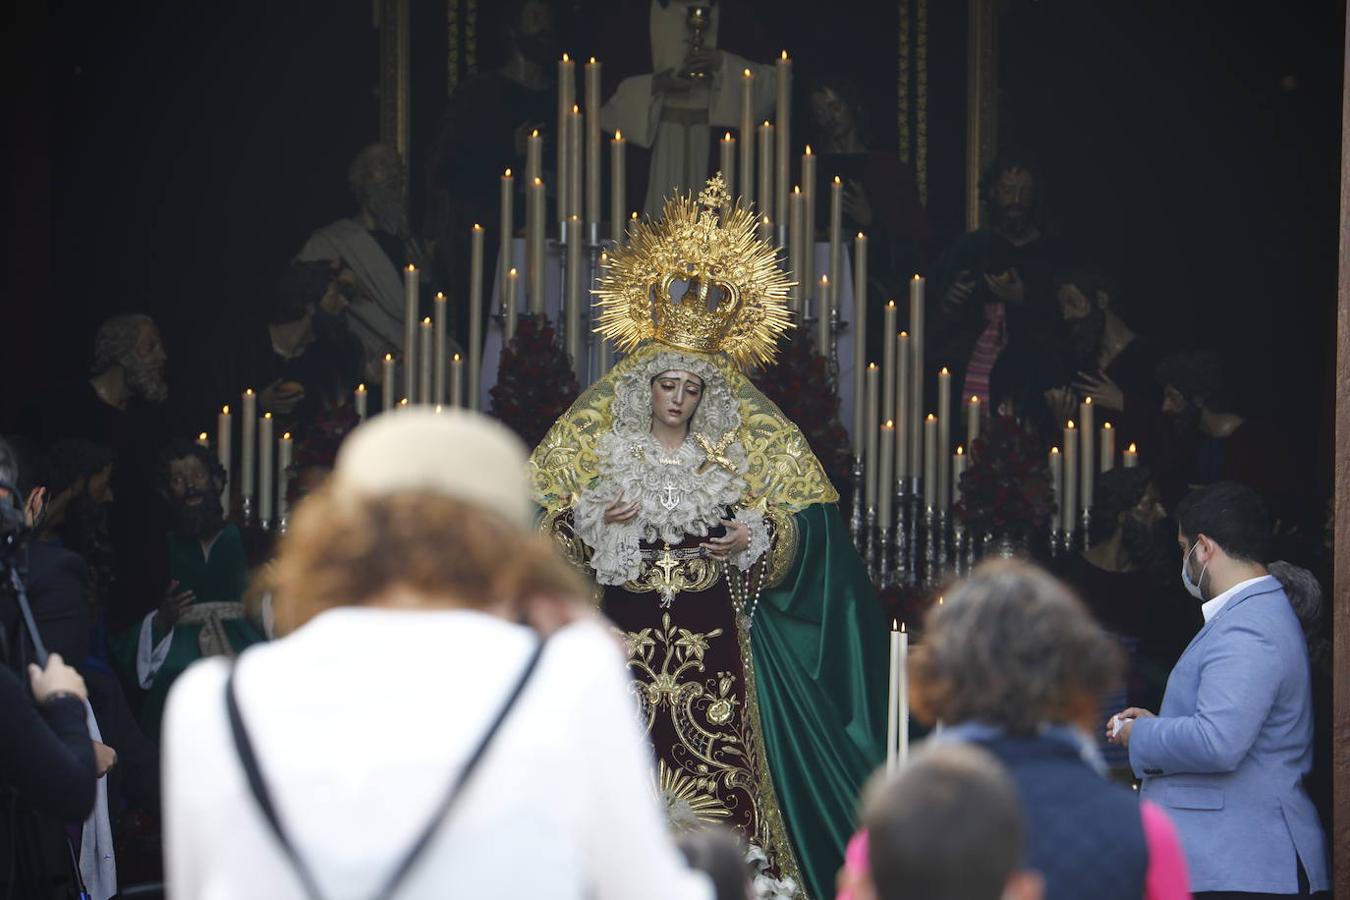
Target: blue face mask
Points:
(1193, 587)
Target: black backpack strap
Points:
(258, 787)
(410, 858)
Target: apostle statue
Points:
(376, 243)
(753, 634)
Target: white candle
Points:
(409, 329)
(1057, 489)
(456, 380)
(859, 328)
(534, 263)
(823, 315)
(266, 485)
(475, 348)
(870, 461)
(512, 302)
(602, 351)
(507, 215)
(747, 139)
(782, 131)
(224, 428)
(285, 453)
(886, 475)
(893, 701)
(1131, 456)
(566, 98)
(437, 352)
(903, 444)
(248, 445)
(1086, 459)
(203, 440)
(795, 244)
(904, 693)
(916, 301)
(930, 462)
(958, 469)
(1108, 440)
(424, 358)
(593, 102)
(888, 322)
(836, 239)
(944, 460)
(726, 162)
(765, 229)
(972, 420)
(808, 185)
(360, 398)
(617, 187)
(1069, 508)
(764, 193)
(534, 157)
(575, 244)
(575, 129)
(387, 383)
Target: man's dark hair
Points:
(1089, 280)
(1007, 162)
(1232, 515)
(717, 853)
(1198, 376)
(300, 288)
(947, 827)
(182, 448)
(1117, 491)
(847, 89)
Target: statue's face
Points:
(675, 398)
(831, 113)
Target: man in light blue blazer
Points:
(1226, 754)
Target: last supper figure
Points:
(711, 532)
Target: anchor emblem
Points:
(671, 498)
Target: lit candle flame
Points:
(1071, 425)
(960, 451)
(861, 236)
(943, 371)
(784, 56)
(890, 304)
(538, 182)
(824, 280)
(267, 415)
(1132, 449)
(286, 436)
(455, 358)
(476, 227)
(534, 133)
(566, 58)
(890, 423)
(202, 436)
(931, 418)
(248, 392)
(575, 109)
(727, 136)
(440, 295)
(427, 320)
(904, 334)
(225, 411)
(1087, 401)
(618, 135)
(974, 399)
(389, 357)
(512, 273)
(746, 73)
(1106, 426)
(808, 149)
(902, 627)
(410, 268)
(592, 62)
(836, 180)
(1054, 451)
(796, 189)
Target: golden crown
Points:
(735, 299)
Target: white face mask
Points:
(1193, 587)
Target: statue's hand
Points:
(619, 512)
(735, 542)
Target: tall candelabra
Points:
(931, 542)
(903, 570)
(855, 519)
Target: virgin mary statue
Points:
(754, 637)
